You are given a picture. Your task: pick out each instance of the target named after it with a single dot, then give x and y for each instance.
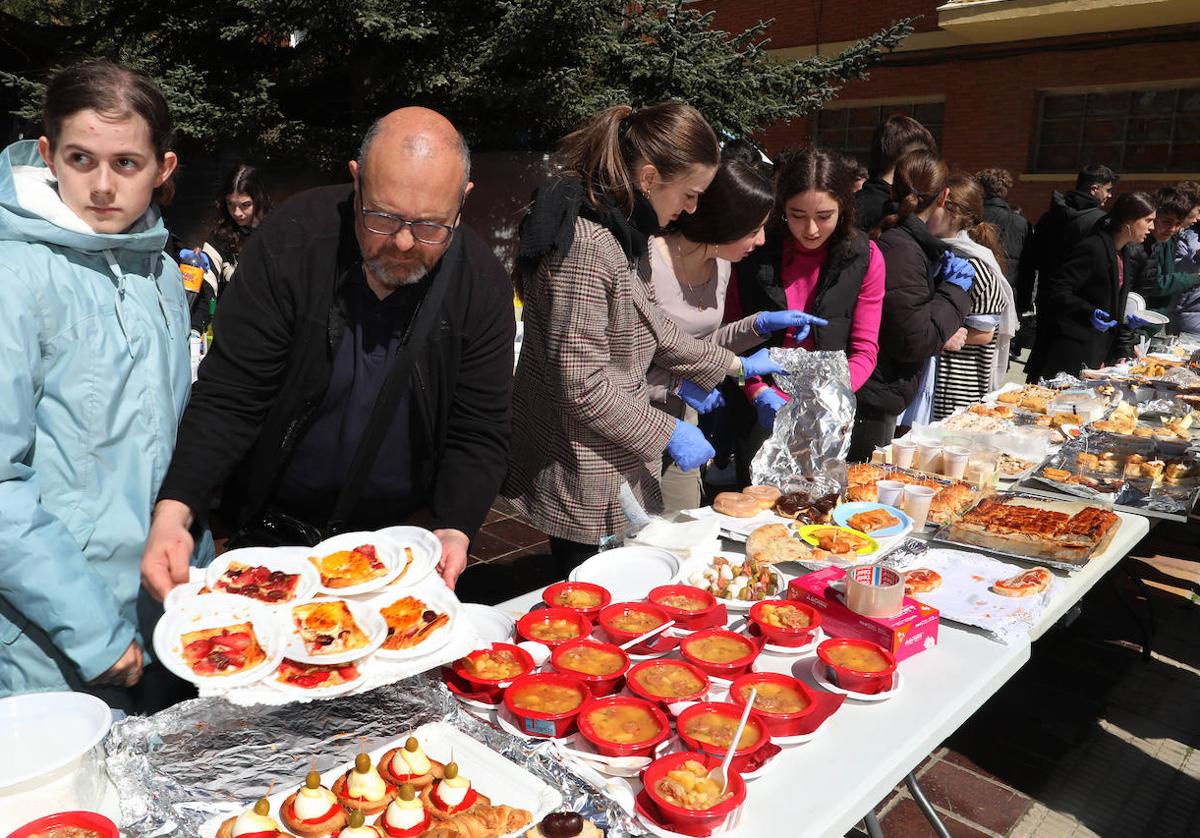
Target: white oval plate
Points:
(321, 692)
(493, 625)
(389, 551)
(369, 620)
(629, 573)
(285, 559)
(437, 597)
(819, 676)
(703, 562)
(215, 611)
(427, 552)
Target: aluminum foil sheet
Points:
(1064, 381)
(807, 450)
(178, 768)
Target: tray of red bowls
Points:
(622, 726)
(99, 826)
(685, 604)
(599, 665)
(786, 704)
(709, 726)
(553, 626)
(719, 652)
(691, 816)
(665, 682)
(584, 597)
(624, 621)
(484, 674)
(857, 665)
(779, 621)
(546, 704)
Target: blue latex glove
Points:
(760, 363)
(699, 399)
(956, 270)
(186, 252)
(688, 447)
(1135, 322)
(766, 405)
(1100, 320)
(774, 321)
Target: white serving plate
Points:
(387, 550)
(321, 692)
(818, 674)
(369, 620)
(493, 625)
(492, 775)
(436, 597)
(427, 552)
(702, 562)
(629, 573)
(285, 559)
(215, 611)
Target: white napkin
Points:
(685, 539)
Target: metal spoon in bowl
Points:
(721, 772)
(647, 635)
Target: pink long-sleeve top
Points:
(800, 272)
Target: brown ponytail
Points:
(964, 207)
(919, 180)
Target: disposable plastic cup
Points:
(889, 491)
(954, 461)
(903, 451)
(915, 501)
(929, 455)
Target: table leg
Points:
(1144, 629)
(926, 809)
(873, 829)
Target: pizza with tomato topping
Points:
(222, 651)
(921, 580)
(346, 568)
(410, 621)
(328, 628)
(311, 676)
(1025, 583)
(258, 582)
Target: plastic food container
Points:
(868, 683)
(599, 685)
(99, 824)
(551, 594)
(537, 722)
(742, 756)
(609, 748)
(684, 618)
(779, 724)
(786, 636)
(729, 670)
(620, 636)
(688, 821)
(492, 688)
(632, 684)
(544, 615)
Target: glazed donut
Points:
(736, 505)
(765, 495)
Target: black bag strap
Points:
(427, 315)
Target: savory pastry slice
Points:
(867, 492)
(862, 473)
(872, 520)
(405, 816)
(1025, 583)
(363, 789)
(921, 580)
(774, 543)
(310, 676)
(222, 651)
(327, 627)
(410, 765)
(410, 621)
(258, 582)
(346, 568)
(481, 821)
(451, 795)
(313, 810)
(255, 822)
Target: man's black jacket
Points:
(276, 335)
(1070, 218)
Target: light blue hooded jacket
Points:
(94, 376)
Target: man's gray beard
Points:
(390, 279)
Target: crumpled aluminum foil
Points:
(1064, 381)
(178, 768)
(807, 450)
(1164, 407)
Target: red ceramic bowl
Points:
(684, 616)
(786, 636)
(608, 747)
(551, 595)
(87, 820)
(729, 670)
(869, 683)
(527, 624)
(619, 635)
(689, 821)
(729, 711)
(598, 684)
(537, 722)
(493, 688)
(779, 724)
(635, 686)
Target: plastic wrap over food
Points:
(807, 450)
(178, 768)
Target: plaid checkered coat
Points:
(582, 420)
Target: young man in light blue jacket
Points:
(94, 376)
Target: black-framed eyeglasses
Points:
(386, 224)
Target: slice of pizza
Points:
(410, 622)
(921, 580)
(872, 520)
(349, 567)
(222, 651)
(1025, 583)
(258, 582)
(328, 628)
(313, 675)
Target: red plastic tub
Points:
(607, 746)
(527, 625)
(541, 723)
(620, 635)
(727, 711)
(854, 680)
(690, 821)
(490, 689)
(600, 685)
(684, 617)
(785, 636)
(796, 723)
(728, 670)
(552, 595)
(86, 820)
(656, 667)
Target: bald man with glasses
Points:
(361, 371)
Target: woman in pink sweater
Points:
(814, 260)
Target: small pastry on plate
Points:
(409, 764)
(765, 495)
(312, 810)
(363, 788)
(256, 821)
(736, 505)
(405, 817)
(565, 825)
(357, 827)
(451, 795)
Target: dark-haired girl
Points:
(241, 207)
(583, 426)
(94, 375)
(1083, 324)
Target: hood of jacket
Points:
(1074, 204)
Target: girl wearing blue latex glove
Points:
(799, 321)
(956, 270)
(760, 363)
(766, 404)
(688, 446)
(700, 400)
(1101, 321)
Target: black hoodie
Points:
(1068, 220)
